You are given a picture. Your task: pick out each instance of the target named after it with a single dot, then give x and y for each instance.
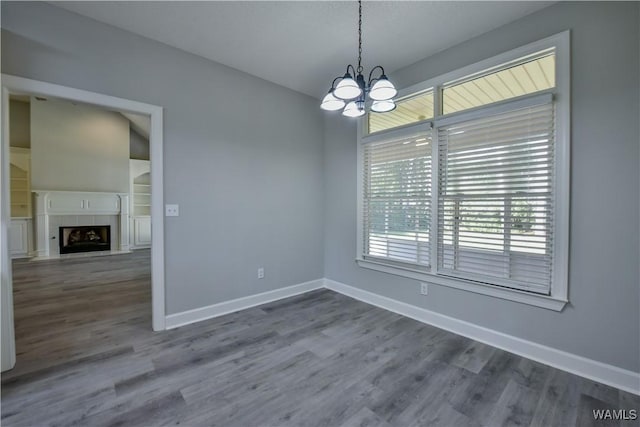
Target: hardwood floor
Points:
(87, 357)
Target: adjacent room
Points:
(320, 213)
(80, 191)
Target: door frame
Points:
(20, 85)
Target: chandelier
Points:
(353, 94)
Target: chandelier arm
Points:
(371, 73)
(333, 83)
(352, 69)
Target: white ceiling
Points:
(303, 45)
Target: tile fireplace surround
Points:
(56, 209)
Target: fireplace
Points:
(86, 238)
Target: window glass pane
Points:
(409, 110)
(522, 78)
(397, 199)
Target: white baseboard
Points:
(226, 307)
(597, 371)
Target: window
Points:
(495, 219)
(412, 109)
(397, 198)
(474, 196)
(524, 76)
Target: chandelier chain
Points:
(360, 37)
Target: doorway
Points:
(12, 85)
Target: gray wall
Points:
(138, 146)
(78, 147)
(602, 321)
(19, 124)
(247, 176)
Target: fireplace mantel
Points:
(48, 203)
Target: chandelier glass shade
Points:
(354, 109)
(383, 106)
(347, 88)
(354, 94)
(331, 103)
(382, 89)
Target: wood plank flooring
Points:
(87, 357)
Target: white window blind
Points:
(495, 198)
(397, 199)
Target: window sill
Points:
(548, 302)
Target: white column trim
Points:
(41, 225)
(123, 222)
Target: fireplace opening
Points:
(87, 238)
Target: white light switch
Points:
(171, 210)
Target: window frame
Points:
(558, 297)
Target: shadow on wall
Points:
(11, 40)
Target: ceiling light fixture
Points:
(353, 92)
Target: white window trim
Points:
(559, 286)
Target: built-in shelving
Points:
(20, 182)
(142, 195)
(140, 172)
(20, 241)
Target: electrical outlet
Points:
(424, 288)
(171, 210)
(261, 273)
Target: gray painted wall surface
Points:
(19, 124)
(78, 147)
(602, 321)
(138, 146)
(248, 177)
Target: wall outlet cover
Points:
(424, 288)
(171, 210)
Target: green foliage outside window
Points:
(400, 216)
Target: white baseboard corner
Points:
(196, 315)
(597, 371)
